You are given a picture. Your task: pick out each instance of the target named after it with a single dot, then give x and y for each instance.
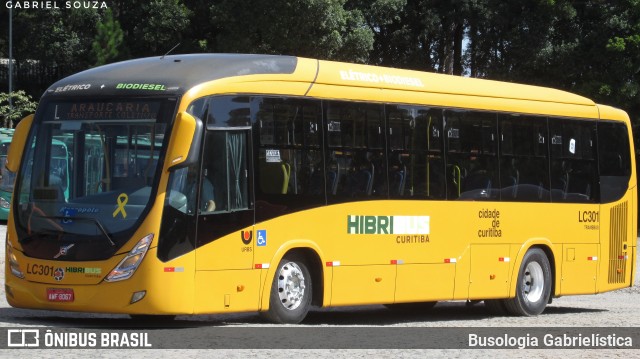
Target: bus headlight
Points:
(4, 203)
(128, 265)
(13, 262)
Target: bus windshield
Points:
(88, 175)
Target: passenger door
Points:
(225, 207)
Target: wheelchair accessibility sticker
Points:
(262, 238)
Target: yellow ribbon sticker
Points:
(122, 201)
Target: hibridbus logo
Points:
(22, 338)
(388, 224)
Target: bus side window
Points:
(355, 164)
(472, 162)
(614, 160)
(524, 166)
(456, 170)
(573, 165)
(416, 163)
(289, 155)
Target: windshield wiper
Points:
(94, 220)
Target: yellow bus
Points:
(226, 183)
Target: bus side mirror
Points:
(17, 144)
(184, 144)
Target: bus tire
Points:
(291, 291)
(533, 287)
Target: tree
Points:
(152, 28)
(590, 47)
(608, 55)
(56, 36)
(517, 40)
(108, 40)
(21, 105)
(417, 34)
(387, 20)
(312, 28)
(453, 17)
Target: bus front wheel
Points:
(291, 291)
(534, 285)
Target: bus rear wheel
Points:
(533, 288)
(291, 291)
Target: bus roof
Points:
(173, 74)
(176, 74)
(390, 78)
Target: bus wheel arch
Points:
(314, 264)
(534, 284)
(296, 285)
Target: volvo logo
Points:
(63, 251)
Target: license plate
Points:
(60, 294)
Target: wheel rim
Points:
(533, 282)
(291, 286)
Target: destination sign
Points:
(112, 110)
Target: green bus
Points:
(59, 168)
(6, 177)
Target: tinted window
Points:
(416, 163)
(472, 162)
(222, 111)
(524, 162)
(355, 161)
(290, 167)
(573, 163)
(615, 160)
(350, 151)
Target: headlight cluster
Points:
(128, 265)
(4, 203)
(13, 261)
